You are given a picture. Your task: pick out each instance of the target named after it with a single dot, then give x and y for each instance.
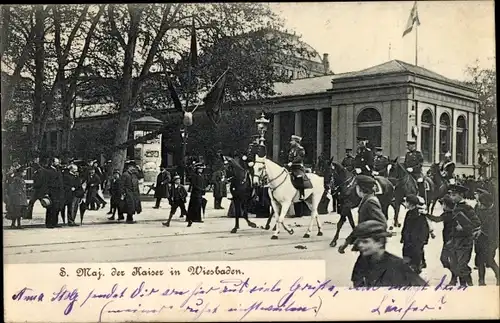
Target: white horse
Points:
(283, 193)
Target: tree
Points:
(484, 81)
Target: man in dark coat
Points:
(375, 267)
(196, 199)
(415, 234)
(115, 192)
(369, 207)
(466, 227)
(93, 181)
(447, 167)
(38, 186)
(177, 199)
(413, 164)
(54, 189)
(348, 161)
(161, 188)
(130, 194)
(219, 188)
(363, 161)
(73, 193)
(17, 198)
(380, 163)
(487, 242)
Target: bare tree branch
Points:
(114, 28)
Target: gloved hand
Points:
(375, 173)
(358, 171)
(289, 164)
(409, 169)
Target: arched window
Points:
(461, 140)
(444, 134)
(369, 125)
(427, 135)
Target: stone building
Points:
(388, 103)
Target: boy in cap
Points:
(369, 207)
(487, 242)
(348, 161)
(375, 266)
(380, 163)
(466, 226)
(447, 218)
(363, 162)
(415, 234)
(296, 162)
(177, 199)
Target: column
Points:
(298, 123)
(319, 133)
(386, 128)
(472, 147)
(350, 131)
(48, 140)
(58, 141)
(437, 144)
(454, 136)
(276, 135)
(334, 137)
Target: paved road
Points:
(99, 240)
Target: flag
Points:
(194, 47)
(214, 100)
(412, 20)
(174, 96)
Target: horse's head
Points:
(259, 169)
(339, 172)
(433, 170)
(395, 169)
(233, 168)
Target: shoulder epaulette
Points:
(368, 149)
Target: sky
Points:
(356, 35)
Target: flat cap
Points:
(348, 149)
(371, 229)
(481, 191)
(296, 138)
(364, 180)
(177, 177)
(457, 188)
(411, 141)
(413, 199)
(486, 199)
(446, 200)
(378, 148)
(199, 165)
(359, 138)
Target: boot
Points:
(468, 280)
(453, 280)
(300, 182)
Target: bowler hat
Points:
(366, 181)
(411, 141)
(45, 201)
(457, 188)
(371, 229)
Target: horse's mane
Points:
(342, 171)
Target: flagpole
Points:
(211, 88)
(416, 44)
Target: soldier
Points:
(348, 161)
(465, 227)
(380, 163)
(296, 163)
(363, 162)
(447, 167)
(413, 164)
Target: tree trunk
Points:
(36, 134)
(121, 134)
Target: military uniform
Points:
(464, 224)
(414, 160)
(447, 169)
(348, 161)
(296, 162)
(364, 161)
(380, 164)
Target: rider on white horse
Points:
(296, 163)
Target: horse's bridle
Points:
(261, 176)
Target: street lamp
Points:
(262, 123)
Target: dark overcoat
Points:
(161, 188)
(369, 209)
(53, 183)
(129, 186)
(219, 182)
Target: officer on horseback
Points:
(348, 161)
(447, 167)
(296, 163)
(363, 162)
(380, 163)
(413, 164)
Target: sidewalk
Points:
(148, 214)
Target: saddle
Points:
(300, 179)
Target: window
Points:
(369, 125)
(461, 140)
(427, 135)
(444, 134)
